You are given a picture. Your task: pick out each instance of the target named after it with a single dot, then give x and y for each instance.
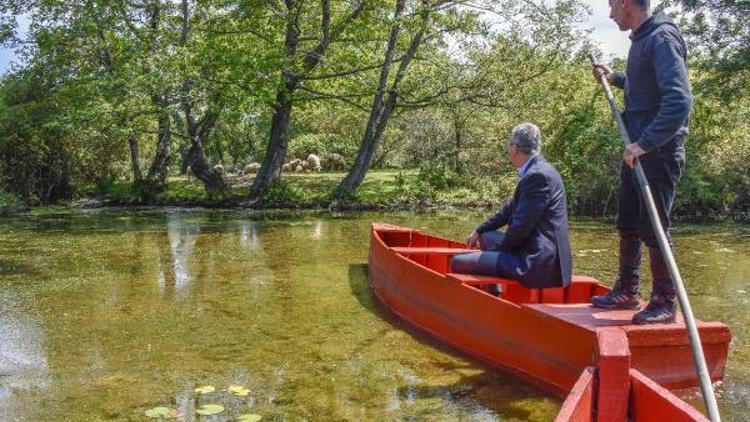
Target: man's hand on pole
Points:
(600, 70)
(632, 151)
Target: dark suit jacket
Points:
(536, 247)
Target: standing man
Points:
(535, 247)
(657, 105)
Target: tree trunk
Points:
(458, 127)
(367, 149)
(202, 170)
(270, 169)
(135, 160)
(381, 111)
(196, 155)
(158, 172)
(182, 149)
(278, 143)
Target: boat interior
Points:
(435, 254)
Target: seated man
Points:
(535, 247)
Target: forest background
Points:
(407, 102)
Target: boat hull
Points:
(548, 336)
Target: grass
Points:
(380, 189)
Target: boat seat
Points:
(436, 258)
(579, 291)
(511, 290)
(407, 250)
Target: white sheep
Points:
(313, 162)
(291, 166)
(252, 168)
(334, 162)
(219, 169)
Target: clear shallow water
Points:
(106, 314)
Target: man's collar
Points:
(522, 170)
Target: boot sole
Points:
(624, 308)
(646, 322)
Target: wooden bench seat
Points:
(407, 250)
(580, 290)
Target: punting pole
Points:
(695, 342)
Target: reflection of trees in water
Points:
(249, 235)
(23, 362)
(174, 270)
(181, 242)
(317, 232)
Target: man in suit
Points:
(535, 247)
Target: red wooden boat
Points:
(609, 369)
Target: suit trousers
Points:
(485, 262)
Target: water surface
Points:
(106, 314)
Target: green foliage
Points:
(717, 32)
(438, 175)
(8, 200)
(98, 74)
(282, 191)
(35, 162)
(309, 143)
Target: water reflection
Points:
(182, 238)
(23, 363)
(317, 232)
(249, 234)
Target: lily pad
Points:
(210, 409)
(249, 417)
(161, 412)
(205, 389)
(238, 390)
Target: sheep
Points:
(300, 168)
(313, 162)
(252, 168)
(334, 162)
(291, 166)
(219, 169)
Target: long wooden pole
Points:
(695, 341)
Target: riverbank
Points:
(382, 190)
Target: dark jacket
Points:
(657, 90)
(536, 242)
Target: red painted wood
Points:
(651, 402)
(438, 250)
(550, 343)
(613, 362)
(579, 405)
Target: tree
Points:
(299, 63)
(718, 31)
(471, 78)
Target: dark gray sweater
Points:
(657, 90)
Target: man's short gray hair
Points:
(527, 137)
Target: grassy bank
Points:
(380, 190)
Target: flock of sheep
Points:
(329, 162)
